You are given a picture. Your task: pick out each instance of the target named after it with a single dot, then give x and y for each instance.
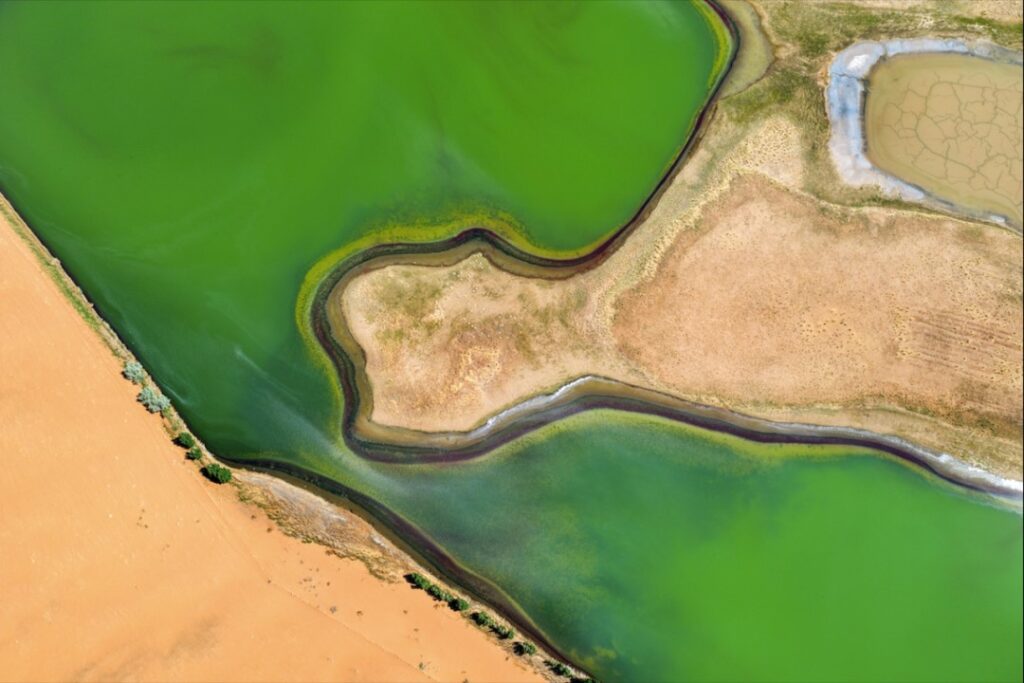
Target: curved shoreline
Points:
(313, 311)
(845, 98)
(430, 550)
(544, 409)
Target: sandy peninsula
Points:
(758, 282)
(120, 562)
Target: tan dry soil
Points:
(119, 562)
(999, 10)
(747, 294)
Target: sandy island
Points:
(120, 562)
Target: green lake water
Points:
(657, 551)
(190, 163)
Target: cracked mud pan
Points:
(932, 121)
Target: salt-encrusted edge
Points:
(844, 100)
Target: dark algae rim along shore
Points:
(413, 447)
(416, 541)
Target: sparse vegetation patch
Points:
(134, 372)
(153, 400)
(185, 440)
(217, 473)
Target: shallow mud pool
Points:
(190, 164)
(950, 124)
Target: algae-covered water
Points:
(657, 551)
(190, 164)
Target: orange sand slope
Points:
(117, 561)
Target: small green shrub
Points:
(558, 668)
(217, 473)
(185, 440)
(458, 604)
(134, 372)
(482, 619)
(439, 593)
(153, 400)
(194, 454)
(418, 580)
(525, 648)
(504, 632)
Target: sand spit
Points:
(846, 95)
(121, 563)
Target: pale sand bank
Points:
(119, 562)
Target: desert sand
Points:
(119, 561)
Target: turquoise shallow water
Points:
(189, 164)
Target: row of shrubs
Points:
(484, 620)
(454, 602)
(458, 604)
(523, 648)
(149, 396)
(212, 471)
(155, 402)
(560, 669)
